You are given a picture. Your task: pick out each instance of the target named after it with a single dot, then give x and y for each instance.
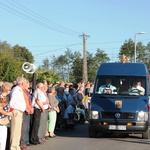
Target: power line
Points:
(34, 17)
(44, 19)
(110, 42)
(57, 49)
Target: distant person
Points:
(107, 88)
(80, 95)
(91, 89)
(87, 89)
(60, 90)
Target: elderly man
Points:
(37, 103)
(17, 102)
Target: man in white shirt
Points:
(44, 115)
(38, 109)
(17, 102)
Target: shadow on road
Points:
(81, 130)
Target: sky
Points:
(50, 27)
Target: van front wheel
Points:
(92, 133)
(145, 135)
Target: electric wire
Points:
(42, 18)
(57, 49)
(35, 19)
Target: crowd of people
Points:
(30, 116)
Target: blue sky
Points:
(49, 27)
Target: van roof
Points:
(132, 69)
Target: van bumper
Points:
(137, 127)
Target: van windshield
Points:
(120, 85)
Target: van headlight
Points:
(142, 116)
(94, 115)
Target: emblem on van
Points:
(117, 115)
(118, 104)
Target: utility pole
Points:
(85, 75)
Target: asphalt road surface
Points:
(78, 139)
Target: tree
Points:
(147, 55)
(62, 64)
(141, 52)
(11, 60)
(47, 75)
(52, 63)
(93, 62)
(91, 66)
(4, 47)
(77, 72)
(45, 65)
(69, 65)
(22, 54)
(100, 57)
(127, 49)
(10, 69)
(69, 60)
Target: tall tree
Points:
(147, 56)
(61, 66)
(4, 46)
(69, 60)
(100, 57)
(91, 67)
(77, 69)
(127, 49)
(22, 54)
(52, 63)
(141, 52)
(47, 75)
(45, 65)
(10, 69)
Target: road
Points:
(78, 139)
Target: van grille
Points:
(123, 115)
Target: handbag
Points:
(4, 121)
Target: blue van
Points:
(120, 101)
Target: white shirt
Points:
(36, 96)
(111, 87)
(140, 88)
(17, 100)
(41, 96)
(91, 89)
(43, 99)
